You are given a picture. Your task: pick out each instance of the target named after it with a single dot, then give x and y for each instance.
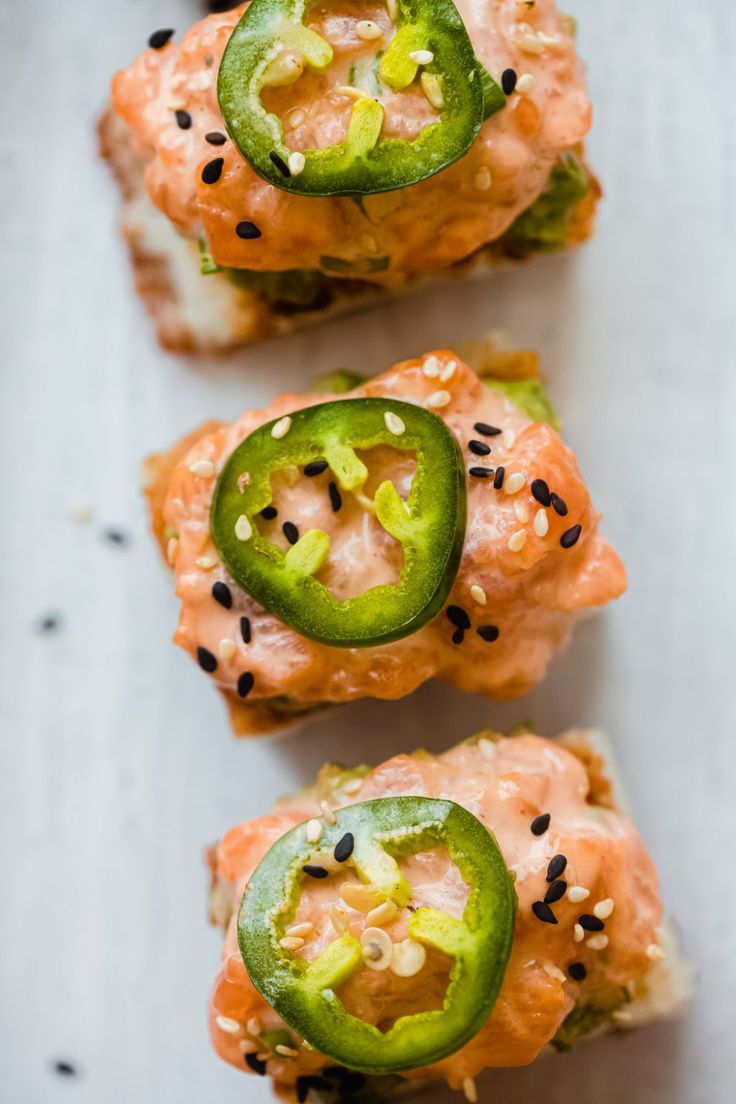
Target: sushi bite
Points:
(427, 523)
(285, 160)
(434, 917)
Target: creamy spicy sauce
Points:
(422, 228)
(506, 785)
(531, 594)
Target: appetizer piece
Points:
(436, 916)
(306, 157)
(425, 524)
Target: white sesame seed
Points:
(525, 83)
(541, 523)
(438, 399)
(478, 594)
(281, 427)
(314, 830)
(327, 813)
(226, 648)
(521, 512)
(368, 243)
(471, 1093)
(80, 514)
(339, 919)
(353, 786)
(253, 1026)
(232, 1027)
(517, 540)
(172, 547)
(296, 162)
(576, 894)
(377, 948)
(247, 1046)
(368, 30)
(291, 942)
(382, 914)
(578, 933)
(621, 1015)
(394, 423)
(598, 942)
(243, 528)
(351, 92)
(432, 90)
(431, 367)
(296, 116)
(286, 1051)
(509, 438)
(487, 748)
(408, 958)
(206, 563)
(513, 483)
(203, 468)
(448, 371)
(422, 57)
(604, 908)
(655, 952)
(359, 897)
(483, 179)
(300, 929)
(553, 971)
(243, 481)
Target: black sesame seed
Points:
(590, 923)
(571, 536)
(480, 473)
(555, 892)
(556, 867)
(245, 684)
(486, 430)
(577, 971)
(559, 504)
(540, 490)
(316, 467)
(489, 633)
(206, 660)
(280, 164)
(508, 81)
(540, 824)
(212, 171)
(183, 120)
(458, 636)
(498, 479)
(245, 629)
(314, 871)
(335, 498)
(215, 138)
(344, 847)
(247, 230)
(221, 593)
(480, 448)
(256, 1064)
(159, 38)
(115, 536)
(544, 913)
(65, 1069)
(268, 513)
(290, 532)
(308, 1081)
(49, 623)
(458, 617)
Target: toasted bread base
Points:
(195, 314)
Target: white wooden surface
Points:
(116, 763)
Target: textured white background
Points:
(117, 766)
